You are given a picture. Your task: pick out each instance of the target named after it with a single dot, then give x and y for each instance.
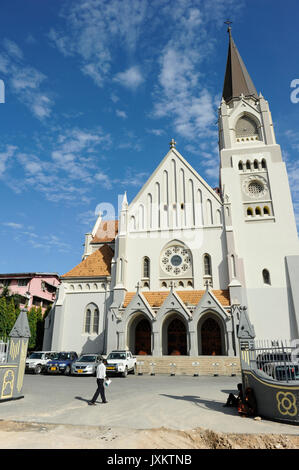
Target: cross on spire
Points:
(172, 144)
(228, 22)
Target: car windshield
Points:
(63, 356)
(116, 356)
(53, 356)
(87, 359)
(35, 356)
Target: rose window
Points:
(176, 260)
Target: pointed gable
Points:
(95, 265)
(175, 196)
(187, 297)
(137, 301)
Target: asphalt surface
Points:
(136, 402)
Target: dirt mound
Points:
(20, 435)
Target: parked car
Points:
(62, 364)
(120, 362)
(38, 359)
(86, 364)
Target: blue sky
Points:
(96, 89)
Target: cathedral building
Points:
(168, 277)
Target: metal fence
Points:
(3, 351)
(277, 359)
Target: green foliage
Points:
(39, 329)
(3, 318)
(10, 314)
(32, 321)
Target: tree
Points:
(10, 314)
(32, 320)
(39, 328)
(3, 318)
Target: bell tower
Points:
(259, 218)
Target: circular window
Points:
(255, 187)
(176, 260)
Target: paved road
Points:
(136, 402)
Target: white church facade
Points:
(167, 277)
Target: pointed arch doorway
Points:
(177, 338)
(211, 338)
(143, 338)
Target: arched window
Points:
(146, 267)
(257, 211)
(96, 316)
(240, 166)
(246, 127)
(249, 212)
(233, 265)
(264, 165)
(132, 223)
(87, 321)
(219, 217)
(255, 165)
(266, 210)
(266, 277)
(248, 165)
(209, 212)
(92, 319)
(207, 265)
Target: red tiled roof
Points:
(106, 232)
(188, 297)
(95, 265)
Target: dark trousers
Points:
(99, 390)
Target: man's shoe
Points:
(105, 401)
(91, 403)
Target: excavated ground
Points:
(20, 435)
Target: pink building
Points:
(38, 288)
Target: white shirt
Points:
(101, 371)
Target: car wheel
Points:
(125, 373)
(67, 370)
(38, 369)
(134, 370)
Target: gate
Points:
(3, 351)
(271, 370)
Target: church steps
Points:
(184, 365)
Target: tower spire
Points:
(237, 80)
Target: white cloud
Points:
(131, 78)
(25, 80)
(12, 49)
(157, 132)
(5, 156)
(104, 179)
(121, 114)
(13, 225)
(94, 29)
(65, 169)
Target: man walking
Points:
(101, 376)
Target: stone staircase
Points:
(207, 365)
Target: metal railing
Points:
(277, 359)
(3, 351)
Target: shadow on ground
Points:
(205, 404)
